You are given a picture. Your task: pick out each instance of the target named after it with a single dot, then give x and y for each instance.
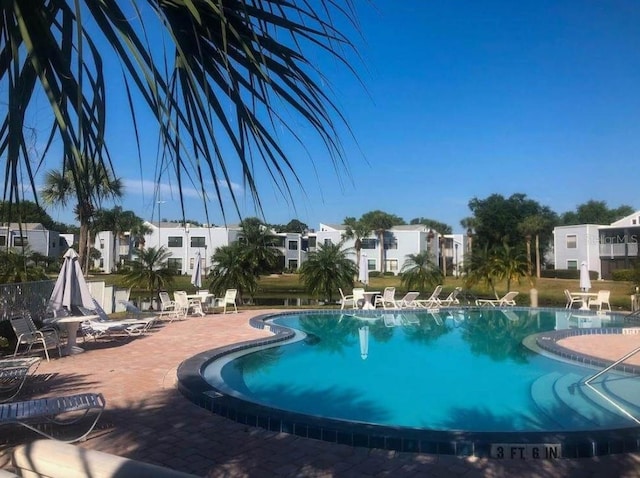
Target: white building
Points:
(605, 248)
(33, 236)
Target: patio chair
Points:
(229, 298)
(13, 375)
(66, 410)
(168, 308)
(28, 334)
(346, 300)
(186, 305)
(572, 299)
(408, 301)
(600, 300)
(388, 298)
(506, 300)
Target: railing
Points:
(588, 381)
(31, 296)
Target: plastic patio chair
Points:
(28, 334)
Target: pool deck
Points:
(149, 420)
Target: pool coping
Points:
(575, 444)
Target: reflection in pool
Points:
(451, 370)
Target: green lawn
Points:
(550, 291)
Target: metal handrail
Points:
(588, 381)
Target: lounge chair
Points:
(408, 301)
(601, 299)
(506, 300)
(103, 326)
(13, 375)
(28, 334)
(65, 410)
(451, 299)
(388, 298)
(572, 299)
(229, 298)
(433, 301)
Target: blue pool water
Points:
(454, 370)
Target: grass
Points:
(550, 291)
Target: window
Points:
(197, 242)
(101, 263)
(312, 241)
(192, 262)
(572, 265)
(174, 241)
(175, 263)
(3, 240)
(368, 243)
(20, 241)
(392, 265)
(327, 242)
(293, 264)
(371, 264)
(572, 241)
(392, 244)
(293, 245)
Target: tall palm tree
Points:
(211, 72)
(149, 269)
(258, 245)
(96, 184)
(534, 226)
(117, 221)
(357, 230)
(327, 269)
(380, 222)
(420, 272)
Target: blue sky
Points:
(461, 99)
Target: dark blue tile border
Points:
(574, 444)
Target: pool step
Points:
(545, 398)
(565, 400)
(587, 404)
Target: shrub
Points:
(388, 274)
(374, 274)
(566, 274)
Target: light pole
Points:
(159, 219)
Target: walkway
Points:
(147, 419)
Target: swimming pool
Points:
(457, 380)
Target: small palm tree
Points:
(258, 242)
(420, 272)
(327, 269)
(357, 230)
(230, 270)
(149, 270)
(17, 267)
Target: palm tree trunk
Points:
(381, 241)
(537, 256)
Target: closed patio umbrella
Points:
(363, 269)
(585, 281)
(71, 289)
(196, 276)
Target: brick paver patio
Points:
(147, 418)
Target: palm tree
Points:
(258, 242)
(357, 230)
(94, 187)
(326, 269)
(534, 226)
(420, 272)
(149, 269)
(210, 73)
(230, 270)
(380, 222)
(117, 221)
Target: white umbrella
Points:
(71, 289)
(196, 276)
(363, 333)
(363, 269)
(585, 281)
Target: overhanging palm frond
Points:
(243, 54)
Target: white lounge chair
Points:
(451, 299)
(67, 410)
(433, 301)
(601, 300)
(408, 301)
(28, 334)
(506, 300)
(388, 298)
(572, 299)
(229, 298)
